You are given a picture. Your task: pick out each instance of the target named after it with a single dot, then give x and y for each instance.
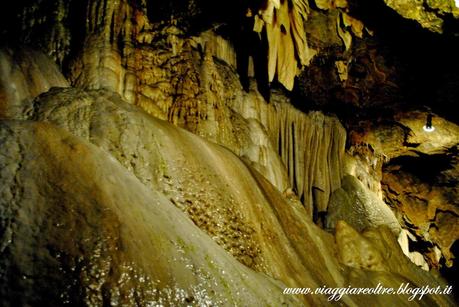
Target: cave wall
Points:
(179, 78)
(180, 64)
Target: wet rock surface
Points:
(132, 221)
(359, 207)
(25, 73)
(198, 150)
(78, 228)
(204, 180)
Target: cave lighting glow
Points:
(431, 128)
(428, 127)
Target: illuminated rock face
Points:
(114, 45)
(359, 207)
(219, 193)
(429, 14)
(97, 224)
(182, 79)
(424, 193)
(81, 229)
(177, 182)
(417, 177)
(24, 74)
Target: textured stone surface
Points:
(404, 135)
(359, 207)
(24, 74)
(418, 172)
(362, 162)
(279, 26)
(183, 80)
(197, 92)
(202, 179)
(120, 222)
(247, 196)
(430, 14)
(377, 255)
(78, 228)
(283, 22)
(311, 147)
(427, 205)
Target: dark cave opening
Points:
(194, 16)
(424, 65)
(451, 273)
(419, 246)
(426, 168)
(427, 62)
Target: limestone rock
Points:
(24, 74)
(379, 254)
(184, 81)
(362, 162)
(232, 203)
(417, 170)
(311, 146)
(427, 205)
(189, 89)
(286, 39)
(363, 255)
(199, 93)
(77, 227)
(111, 32)
(359, 207)
(445, 135)
(45, 24)
(404, 135)
(430, 14)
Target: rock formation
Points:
(78, 228)
(359, 207)
(429, 14)
(122, 190)
(25, 74)
(194, 153)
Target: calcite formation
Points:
(25, 74)
(359, 207)
(111, 37)
(109, 222)
(283, 23)
(430, 14)
(195, 91)
(204, 180)
(104, 238)
(175, 165)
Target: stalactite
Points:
(311, 146)
(283, 21)
(177, 79)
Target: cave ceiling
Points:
(372, 54)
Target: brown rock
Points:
(24, 74)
